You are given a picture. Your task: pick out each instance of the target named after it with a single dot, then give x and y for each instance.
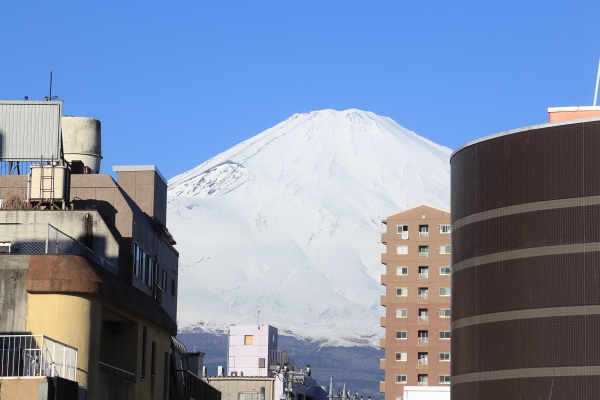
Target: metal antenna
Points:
(597, 81)
(50, 97)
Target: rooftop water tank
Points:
(82, 141)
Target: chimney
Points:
(147, 187)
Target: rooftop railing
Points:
(43, 238)
(37, 355)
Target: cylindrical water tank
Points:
(82, 141)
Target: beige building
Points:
(416, 300)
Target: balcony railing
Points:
(424, 254)
(37, 355)
(422, 384)
(424, 234)
(423, 339)
(117, 372)
(423, 296)
(43, 238)
(423, 275)
(422, 361)
(423, 318)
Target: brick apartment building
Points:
(417, 300)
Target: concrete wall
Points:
(231, 388)
(13, 293)
(245, 358)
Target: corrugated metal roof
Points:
(30, 130)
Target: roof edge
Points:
(418, 205)
(527, 128)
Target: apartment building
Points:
(88, 268)
(526, 261)
(416, 300)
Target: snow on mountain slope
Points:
(288, 223)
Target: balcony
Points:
(384, 238)
(382, 343)
(423, 254)
(383, 300)
(383, 279)
(423, 296)
(382, 364)
(422, 384)
(43, 238)
(382, 322)
(423, 318)
(424, 234)
(383, 258)
(121, 373)
(423, 339)
(381, 386)
(423, 275)
(422, 361)
(37, 355)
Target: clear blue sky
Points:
(175, 83)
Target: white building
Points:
(249, 350)
(426, 393)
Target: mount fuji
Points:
(284, 228)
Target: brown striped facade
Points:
(526, 264)
(416, 291)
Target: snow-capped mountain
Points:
(288, 223)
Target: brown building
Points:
(417, 300)
(526, 262)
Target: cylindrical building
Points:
(526, 264)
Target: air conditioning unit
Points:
(5, 247)
(237, 373)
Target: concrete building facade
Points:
(526, 262)
(416, 300)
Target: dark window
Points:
(144, 339)
(173, 287)
(164, 281)
(153, 361)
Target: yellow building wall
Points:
(76, 320)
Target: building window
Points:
(444, 313)
(248, 340)
(423, 358)
(403, 230)
(401, 291)
(401, 313)
(400, 378)
(144, 341)
(445, 228)
(424, 230)
(445, 379)
(144, 266)
(445, 270)
(401, 270)
(423, 272)
(164, 281)
(444, 334)
(423, 293)
(423, 380)
(423, 251)
(401, 356)
(445, 249)
(401, 249)
(444, 291)
(249, 396)
(401, 334)
(444, 356)
(423, 336)
(423, 315)
(173, 287)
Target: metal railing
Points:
(423, 275)
(424, 234)
(423, 339)
(109, 369)
(37, 355)
(424, 254)
(280, 357)
(43, 238)
(423, 296)
(423, 318)
(422, 361)
(422, 384)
